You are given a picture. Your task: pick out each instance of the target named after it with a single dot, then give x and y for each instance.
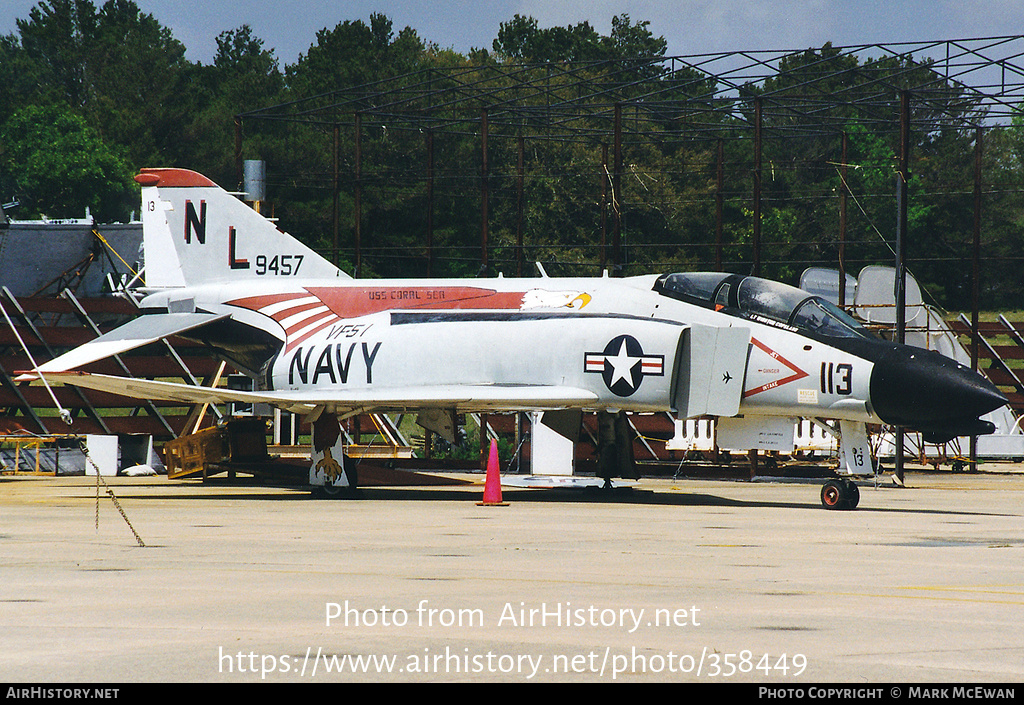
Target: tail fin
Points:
(196, 232)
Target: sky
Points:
(690, 27)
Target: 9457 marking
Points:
(278, 265)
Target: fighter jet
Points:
(754, 353)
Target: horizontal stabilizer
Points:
(134, 334)
(465, 398)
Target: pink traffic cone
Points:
(492, 485)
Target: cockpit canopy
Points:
(755, 298)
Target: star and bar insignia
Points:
(623, 365)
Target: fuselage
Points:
(621, 338)
(693, 344)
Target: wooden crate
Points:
(188, 456)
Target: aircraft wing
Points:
(480, 397)
(134, 334)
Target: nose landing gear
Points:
(840, 494)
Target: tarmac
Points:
(673, 580)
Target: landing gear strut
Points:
(615, 448)
(840, 494)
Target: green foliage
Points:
(63, 167)
(115, 66)
(522, 39)
(93, 92)
(354, 54)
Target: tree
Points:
(521, 39)
(117, 67)
(632, 41)
(354, 54)
(55, 38)
(142, 108)
(61, 166)
(244, 76)
(22, 78)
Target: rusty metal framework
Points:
(752, 96)
(966, 86)
(987, 73)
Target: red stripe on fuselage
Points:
(355, 301)
(352, 302)
(255, 303)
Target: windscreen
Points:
(762, 298)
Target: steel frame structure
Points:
(710, 97)
(968, 85)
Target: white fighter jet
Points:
(750, 351)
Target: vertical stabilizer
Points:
(196, 232)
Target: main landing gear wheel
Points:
(840, 494)
(334, 492)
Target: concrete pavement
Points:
(685, 580)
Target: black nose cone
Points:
(931, 393)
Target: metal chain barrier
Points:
(110, 493)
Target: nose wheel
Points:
(840, 494)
